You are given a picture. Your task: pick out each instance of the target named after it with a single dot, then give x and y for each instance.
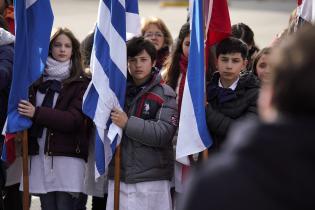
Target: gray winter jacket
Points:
(146, 147)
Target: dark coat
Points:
(67, 127)
(146, 146)
(220, 116)
(6, 66)
(261, 166)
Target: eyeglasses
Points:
(150, 35)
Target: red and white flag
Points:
(218, 24)
(306, 10)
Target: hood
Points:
(6, 37)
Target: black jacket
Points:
(6, 65)
(261, 166)
(220, 115)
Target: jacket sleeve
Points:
(62, 120)
(6, 65)
(219, 123)
(158, 132)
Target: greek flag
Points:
(116, 20)
(193, 135)
(33, 22)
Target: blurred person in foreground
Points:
(268, 164)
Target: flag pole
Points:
(25, 171)
(205, 153)
(117, 178)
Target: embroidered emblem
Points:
(146, 109)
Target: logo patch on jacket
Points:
(146, 109)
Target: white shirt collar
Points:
(233, 86)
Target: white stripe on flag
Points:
(193, 135)
(112, 37)
(209, 14)
(133, 25)
(307, 10)
(109, 71)
(29, 3)
(191, 138)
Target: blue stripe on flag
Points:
(119, 23)
(100, 154)
(90, 102)
(132, 7)
(103, 49)
(196, 74)
(33, 28)
(117, 80)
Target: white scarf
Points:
(56, 70)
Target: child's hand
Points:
(26, 109)
(118, 117)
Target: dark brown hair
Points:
(172, 69)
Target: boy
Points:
(230, 96)
(149, 123)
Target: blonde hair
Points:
(168, 40)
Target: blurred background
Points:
(265, 17)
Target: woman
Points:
(155, 30)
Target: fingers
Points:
(25, 108)
(24, 102)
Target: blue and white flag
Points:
(193, 135)
(33, 24)
(116, 20)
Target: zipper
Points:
(48, 143)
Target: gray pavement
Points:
(265, 17)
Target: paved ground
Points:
(266, 18)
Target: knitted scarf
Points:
(56, 70)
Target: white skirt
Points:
(153, 195)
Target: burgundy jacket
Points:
(68, 128)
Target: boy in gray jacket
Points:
(149, 122)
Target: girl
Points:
(246, 34)
(175, 75)
(58, 141)
(155, 30)
(176, 67)
(261, 67)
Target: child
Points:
(230, 96)
(261, 66)
(176, 67)
(58, 142)
(175, 76)
(149, 123)
(246, 34)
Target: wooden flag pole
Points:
(117, 178)
(205, 153)
(26, 193)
